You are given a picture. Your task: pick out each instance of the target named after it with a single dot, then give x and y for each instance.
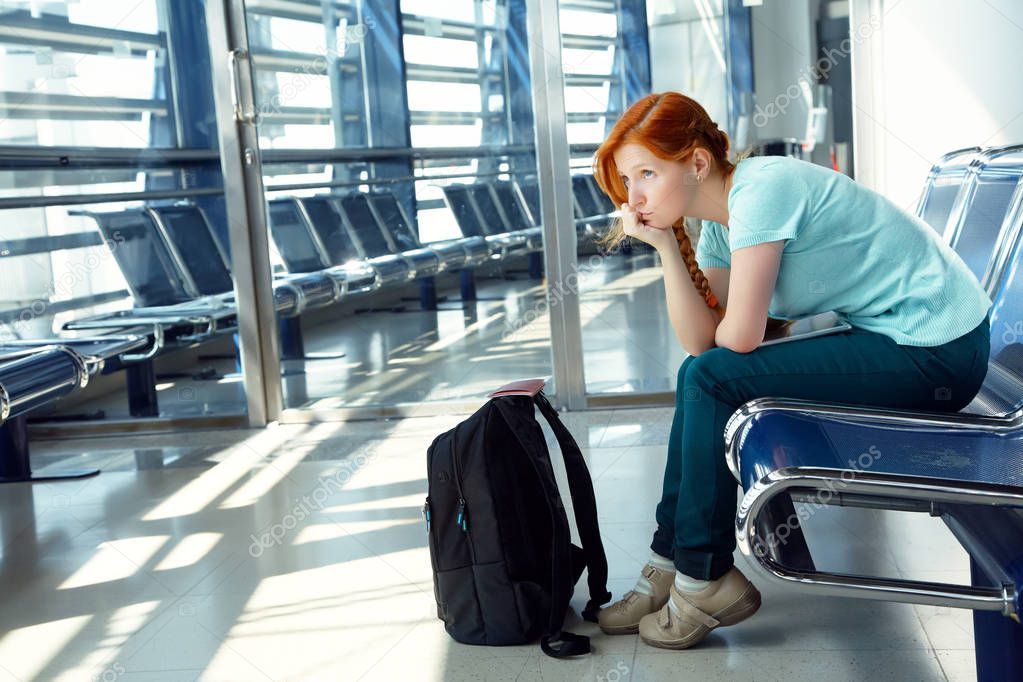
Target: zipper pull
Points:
(426, 513)
(463, 519)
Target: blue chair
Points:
(165, 299)
(36, 374)
(982, 213)
(454, 254)
(302, 250)
(517, 216)
(203, 261)
(477, 215)
(358, 218)
(943, 185)
(591, 207)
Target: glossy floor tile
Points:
(298, 552)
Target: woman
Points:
(786, 239)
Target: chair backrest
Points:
(584, 197)
(291, 231)
(511, 204)
(392, 218)
(363, 225)
(980, 219)
(494, 220)
(943, 185)
(143, 257)
(603, 200)
(463, 207)
(328, 224)
(1007, 321)
(188, 232)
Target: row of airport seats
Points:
(332, 247)
(510, 211)
(966, 468)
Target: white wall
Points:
(938, 75)
(687, 52)
(784, 52)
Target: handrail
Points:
(20, 157)
(83, 199)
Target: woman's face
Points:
(660, 191)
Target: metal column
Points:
(544, 31)
(247, 221)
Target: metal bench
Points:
(34, 374)
(966, 468)
(31, 378)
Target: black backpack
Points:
(504, 567)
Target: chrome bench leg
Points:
(998, 640)
(14, 456)
(142, 400)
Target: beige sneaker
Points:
(726, 601)
(622, 617)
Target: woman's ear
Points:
(701, 162)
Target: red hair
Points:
(671, 126)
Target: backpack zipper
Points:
(462, 519)
(426, 513)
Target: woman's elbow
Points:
(740, 343)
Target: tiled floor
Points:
(299, 552)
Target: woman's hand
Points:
(658, 237)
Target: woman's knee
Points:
(700, 373)
(681, 379)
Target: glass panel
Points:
(629, 346)
(99, 235)
(424, 246)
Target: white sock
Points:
(684, 583)
(643, 585)
(661, 562)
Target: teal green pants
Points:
(696, 514)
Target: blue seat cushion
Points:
(777, 439)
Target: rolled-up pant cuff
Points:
(662, 543)
(698, 565)
(702, 565)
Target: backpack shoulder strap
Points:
(585, 504)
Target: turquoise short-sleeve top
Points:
(847, 249)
